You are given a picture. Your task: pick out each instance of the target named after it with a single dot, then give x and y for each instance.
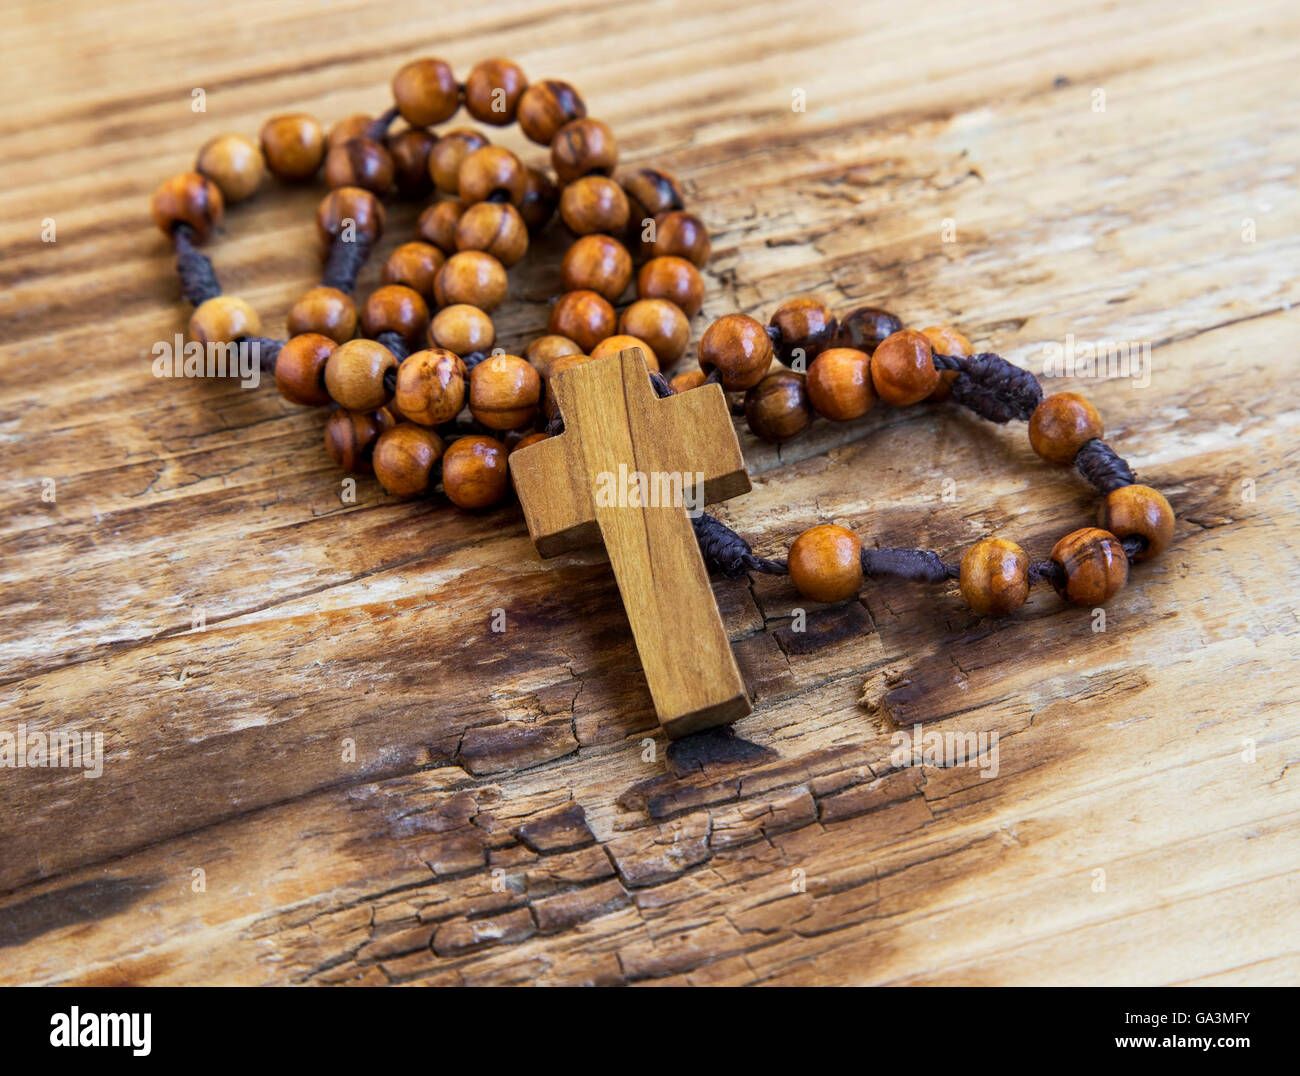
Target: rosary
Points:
(598, 444)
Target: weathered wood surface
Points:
(501, 822)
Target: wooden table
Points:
(508, 812)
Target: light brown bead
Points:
(431, 386)
(462, 329)
(995, 576)
(1095, 566)
(403, 459)
(475, 473)
(223, 320)
(493, 89)
(902, 369)
(188, 198)
(682, 235)
(293, 145)
(414, 265)
(866, 328)
(583, 147)
(326, 311)
(946, 341)
(597, 263)
(448, 154)
(1141, 511)
(350, 438)
(437, 224)
(826, 563)
(650, 192)
(806, 327)
(661, 324)
(1063, 424)
(543, 351)
(690, 379)
(356, 125)
(495, 228)
(547, 106)
(739, 348)
(354, 204)
(492, 172)
(300, 369)
(471, 277)
(425, 92)
(503, 392)
(359, 162)
(584, 317)
(395, 308)
(539, 201)
(674, 279)
(410, 152)
(594, 204)
(354, 374)
(777, 407)
(550, 402)
(524, 442)
(839, 384)
(611, 345)
(234, 164)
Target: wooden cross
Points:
(622, 473)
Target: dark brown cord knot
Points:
(915, 565)
(199, 281)
(727, 552)
(992, 387)
(343, 263)
(1102, 466)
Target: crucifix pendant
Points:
(624, 472)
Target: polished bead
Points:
(650, 193)
(777, 407)
(300, 369)
(902, 368)
(234, 164)
(415, 265)
(1094, 564)
(448, 154)
(223, 320)
(425, 92)
(547, 106)
(1063, 424)
(359, 162)
(437, 224)
(661, 324)
(503, 392)
(1139, 511)
(594, 204)
(471, 277)
(543, 351)
(495, 228)
(395, 308)
(475, 473)
(293, 146)
(946, 341)
(403, 459)
(326, 311)
(806, 327)
(674, 279)
(690, 379)
(493, 89)
(739, 348)
(350, 437)
(539, 201)
(679, 234)
(550, 404)
(353, 204)
(431, 386)
(492, 172)
(866, 328)
(354, 374)
(995, 577)
(188, 198)
(839, 384)
(598, 263)
(583, 147)
(826, 563)
(611, 345)
(584, 317)
(524, 442)
(410, 152)
(356, 125)
(462, 329)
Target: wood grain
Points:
(502, 818)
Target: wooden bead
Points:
(946, 341)
(594, 204)
(806, 327)
(354, 204)
(524, 442)
(691, 379)
(597, 263)
(550, 404)
(448, 154)
(395, 308)
(188, 198)
(503, 392)
(462, 329)
(1095, 566)
(359, 162)
(1141, 511)
(354, 374)
(403, 459)
(475, 473)
(471, 277)
(234, 164)
(995, 577)
(356, 125)
(293, 145)
(495, 228)
(583, 147)
(902, 368)
(649, 193)
(410, 152)
(777, 407)
(839, 384)
(539, 201)
(349, 438)
(660, 324)
(414, 265)
(674, 279)
(431, 386)
(739, 348)
(437, 225)
(1063, 424)
(425, 92)
(300, 369)
(543, 351)
(826, 563)
(866, 328)
(492, 172)
(326, 311)
(223, 320)
(547, 106)
(682, 235)
(584, 317)
(493, 90)
(611, 345)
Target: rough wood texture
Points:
(502, 819)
